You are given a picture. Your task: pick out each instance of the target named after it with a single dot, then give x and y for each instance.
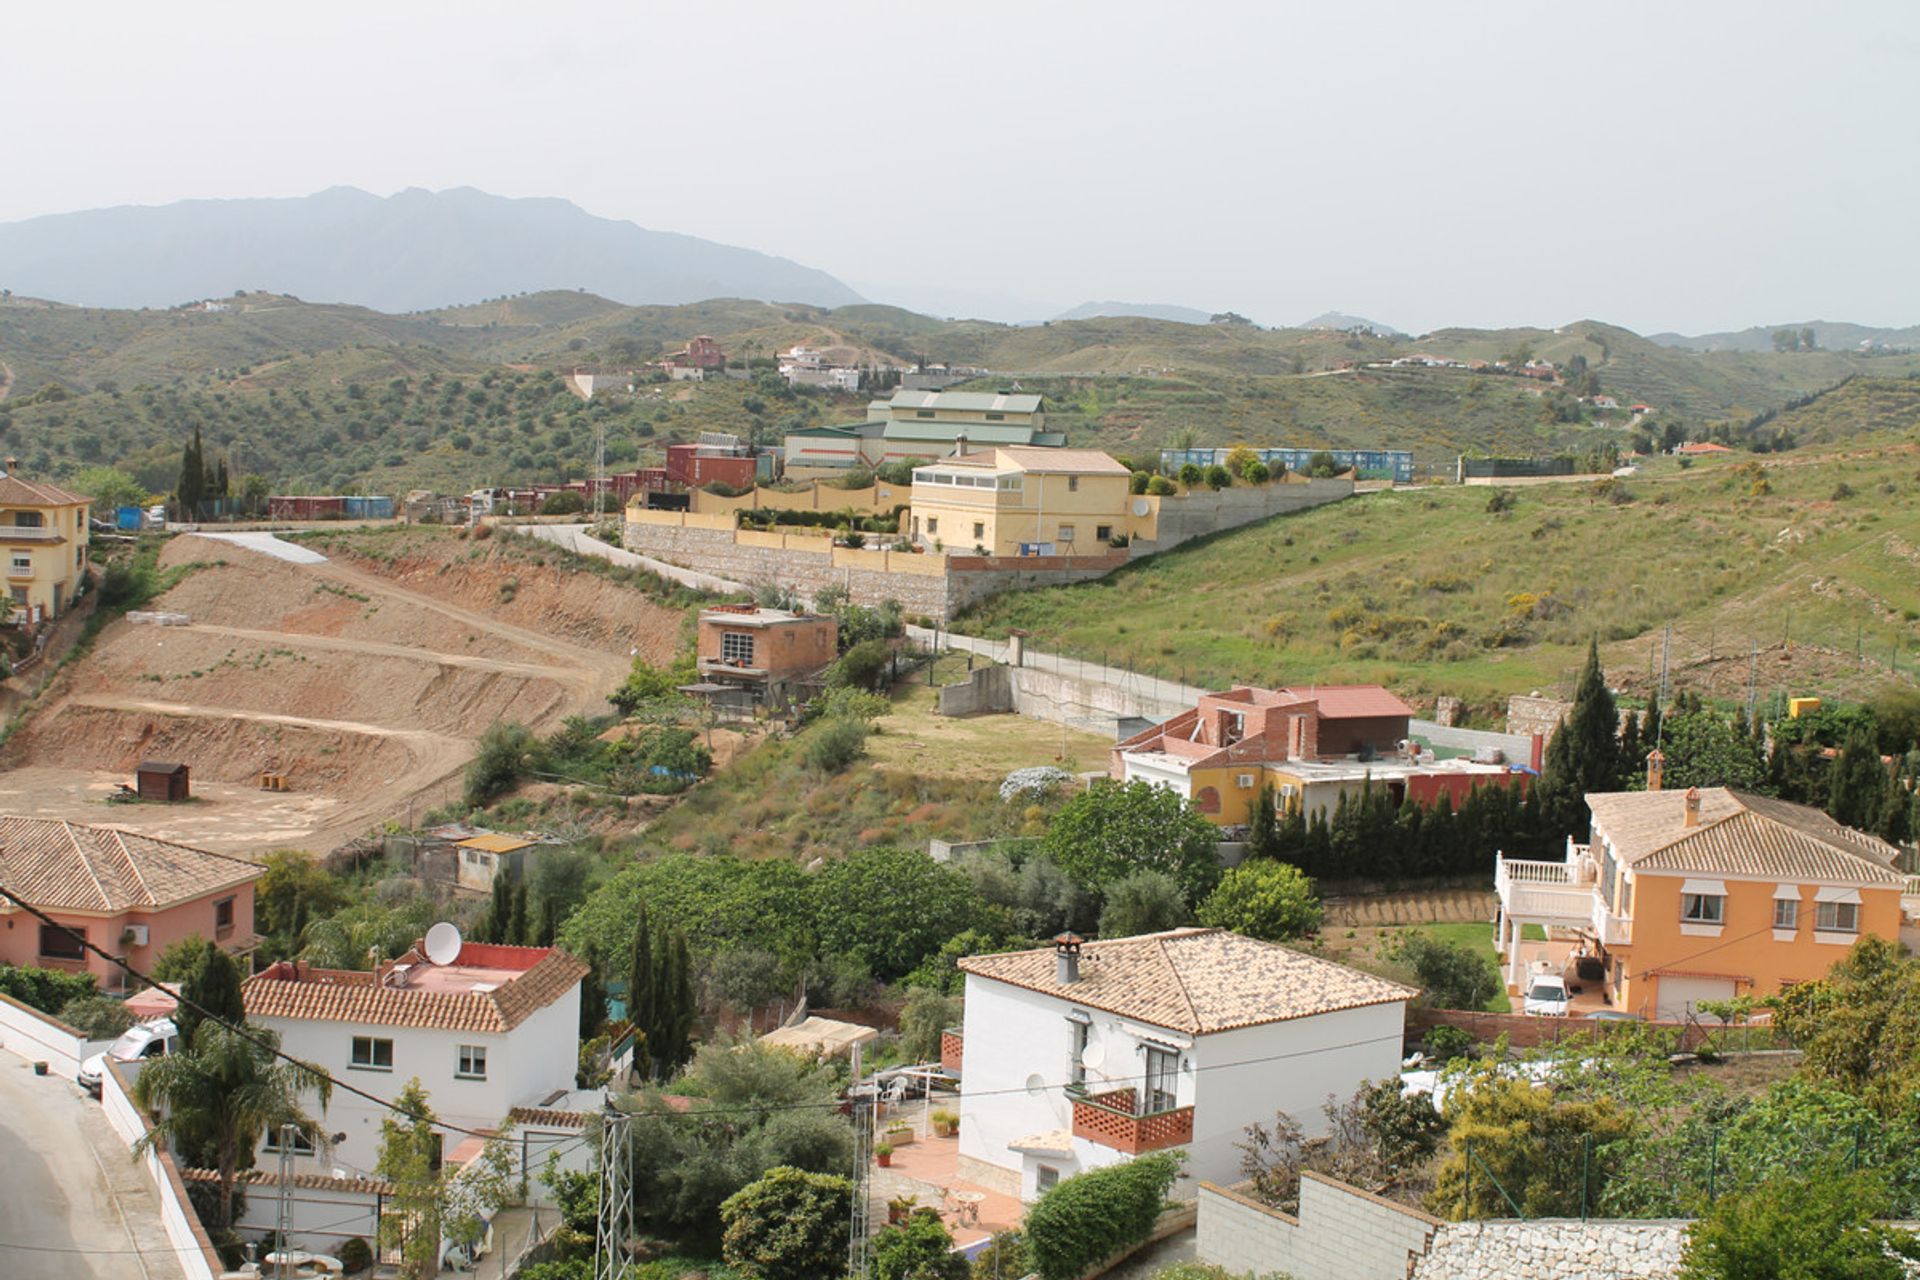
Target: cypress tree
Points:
(1263, 831)
(675, 1008)
(493, 925)
(517, 922)
(1584, 755)
(593, 995)
(193, 478)
(640, 993)
(215, 987)
(549, 921)
(1857, 783)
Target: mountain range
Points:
(1827, 335)
(411, 251)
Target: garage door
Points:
(1677, 997)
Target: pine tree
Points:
(1857, 785)
(1584, 755)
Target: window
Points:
(473, 1062)
(1066, 533)
(301, 1145)
(1045, 1177)
(736, 646)
(1080, 1029)
(1246, 782)
(996, 417)
(28, 520)
(1163, 1077)
(933, 525)
(923, 413)
(1836, 917)
(58, 943)
(1103, 531)
(979, 530)
(1703, 908)
(223, 917)
(1073, 484)
(1786, 913)
(22, 562)
(371, 1054)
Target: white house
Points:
(1086, 1054)
(498, 1028)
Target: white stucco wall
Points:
(1231, 1079)
(523, 1067)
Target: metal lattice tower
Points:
(859, 1237)
(283, 1218)
(614, 1227)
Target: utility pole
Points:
(1666, 651)
(859, 1241)
(283, 1221)
(600, 468)
(614, 1226)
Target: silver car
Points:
(148, 1040)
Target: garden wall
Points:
(1341, 1233)
(41, 1037)
(191, 1247)
(1554, 1249)
(1527, 1033)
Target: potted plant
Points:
(900, 1133)
(900, 1208)
(883, 1155)
(944, 1123)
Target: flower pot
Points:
(884, 1161)
(943, 1131)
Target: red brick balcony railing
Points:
(1112, 1120)
(950, 1051)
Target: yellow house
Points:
(1685, 898)
(1028, 501)
(43, 529)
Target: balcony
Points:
(952, 1051)
(1112, 1119)
(1545, 892)
(1910, 898)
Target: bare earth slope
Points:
(365, 680)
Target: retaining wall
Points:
(41, 1037)
(1526, 1033)
(191, 1247)
(1341, 1233)
(1199, 512)
(1554, 1249)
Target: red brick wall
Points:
(1523, 1032)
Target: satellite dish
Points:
(1093, 1055)
(1036, 1085)
(1141, 506)
(443, 943)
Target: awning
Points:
(1786, 891)
(1710, 888)
(1834, 893)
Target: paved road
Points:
(73, 1204)
(575, 538)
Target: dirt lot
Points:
(366, 679)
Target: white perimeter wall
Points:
(189, 1239)
(38, 1037)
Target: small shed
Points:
(485, 856)
(159, 780)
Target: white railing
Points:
(1542, 891)
(1612, 930)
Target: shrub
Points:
(790, 1225)
(1449, 1043)
(1272, 901)
(1093, 1215)
(97, 1017)
(832, 745)
(1139, 482)
(1257, 472)
(1218, 477)
(854, 539)
(861, 667)
(1191, 475)
(918, 1249)
(507, 750)
(1455, 975)
(1161, 487)
(926, 1015)
(564, 503)
(1145, 901)
(355, 1255)
(47, 990)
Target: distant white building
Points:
(1087, 1054)
(498, 1028)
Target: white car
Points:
(148, 1040)
(1547, 996)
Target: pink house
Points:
(131, 895)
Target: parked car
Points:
(148, 1040)
(1547, 996)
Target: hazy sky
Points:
(1670, 165)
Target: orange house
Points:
(127, 894)
(1705, 895)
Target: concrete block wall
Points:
(988, 690)
(1199, 512)
(1554, 1249)
(1341, 1233)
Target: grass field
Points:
(1367, 949)
(1428, 591)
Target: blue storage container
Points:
(129, 518)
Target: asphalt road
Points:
(73, 1204)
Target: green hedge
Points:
(47, 990)
(1094, 1215)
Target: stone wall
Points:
(1523, 1032)
(1341, 1233)
(1554, 1249)
(1199, 512)
(1535, 714)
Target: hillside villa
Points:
(1683, 897)
(1311, 745)
(921, 425)
(1082, 1055)
(127, 894)
(1024, 501)
(44, 529)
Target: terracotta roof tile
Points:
(1195, 980)
(72, 866)
(15, 492)
(344, 995)
(310, 1181)
(1739, 834)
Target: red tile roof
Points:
(1351, 701)
(60, 865)
(289, 990)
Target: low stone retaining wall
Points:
(1554, 1249)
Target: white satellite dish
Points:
(1093, 1055)
(443, 943)
(1141, 506)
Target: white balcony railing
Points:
(1543, 891)
(1910, 899)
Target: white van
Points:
(148, 1040)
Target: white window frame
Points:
(1080, 1031)
(1786, 914)
(22, 562)
(1694, 910)
(302, 1145)
(1161, 1080)
(1827, 917)
(736, 646)
(1066, 533)
(470, 1062)
(371, 1062)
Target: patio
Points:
(1555, 955)
(924, 1169)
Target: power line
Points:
(238, 1029)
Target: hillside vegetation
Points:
(337, 397)
(1457, 590)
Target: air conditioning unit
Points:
(1246, 782)
(134, 935)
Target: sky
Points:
(1692, 166)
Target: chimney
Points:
(1066, 951)
(1693, 807)
(1656, 768)
(960, 445)
(1303, 735)
(13, 466)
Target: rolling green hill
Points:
(320, 396)
(1806, 555)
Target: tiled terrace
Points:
(925, 1169)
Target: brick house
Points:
(763, 653)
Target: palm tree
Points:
(222, 1095)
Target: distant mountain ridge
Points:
(1144, 310)
(1828, 335)
(415, 250)
(1342, 321)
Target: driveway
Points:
(73, 1204)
